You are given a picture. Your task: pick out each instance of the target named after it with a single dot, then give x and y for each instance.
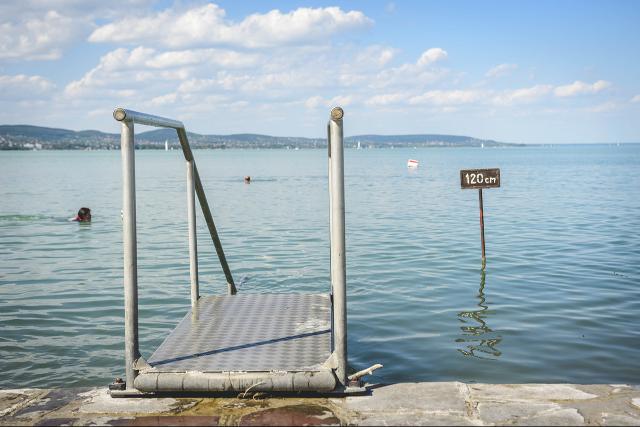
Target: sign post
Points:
(480, 178)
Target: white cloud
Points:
(206, 25)
(386, 99)
(318, 101)
(413, 77)
(24, 87)
(447, 97)
(523, 95)
(169, 98)
(580, 88)
(42, 29)
(145, 64)
(635, 99)
(37, 37)
(603, 108)
(501, 70)
(220, 57)
(431, 56)
(375, 56)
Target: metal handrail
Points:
(123, 115)
(194, 185)
(133, 360)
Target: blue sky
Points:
(532, 72)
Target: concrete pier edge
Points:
(429, 403)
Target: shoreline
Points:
(433, 403)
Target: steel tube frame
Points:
(193, 240)
(127, 118)
(338, 255)
(129, 240)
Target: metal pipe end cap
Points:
(337, 113)
(119, 114)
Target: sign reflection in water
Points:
(479, 340)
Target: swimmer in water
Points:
(247, 179)
(84, 215)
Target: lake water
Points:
(559, 302)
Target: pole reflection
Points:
(478, 339)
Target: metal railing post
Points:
(337, 226)
(130, 252)
(193, 242)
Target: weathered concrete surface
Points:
(449, 403)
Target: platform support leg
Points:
(132, 352)
(337, 226)
(193, 242)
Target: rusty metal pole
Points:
(484, 259)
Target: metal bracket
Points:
(331, 362)
(141, 365)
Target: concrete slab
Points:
(619, 420)
(421, 419)
(445, 398)
(13, 400)
(556, 417)
(297, 415)
(528, 392)
(98, 401)
(398, 404)
(502, 413)
(56, 422)
(168, 420)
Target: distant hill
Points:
(26, 137)
(421, 140)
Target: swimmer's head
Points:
(247, 179)
(84, 215)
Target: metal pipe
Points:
(337, 226)
(124, 115)
(231, 287)
(206, 211)
(130, 252)
(282, 381)
(193, 242)
(484, 259)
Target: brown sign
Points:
(480, 178)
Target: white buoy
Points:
(411, 163)
(166, 145)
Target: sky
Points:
(513, 71)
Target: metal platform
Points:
(279, 341)
(257, 332)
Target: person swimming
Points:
(247, 179)
(84, 215)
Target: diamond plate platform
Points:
(249, 332)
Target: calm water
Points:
(559, 302)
